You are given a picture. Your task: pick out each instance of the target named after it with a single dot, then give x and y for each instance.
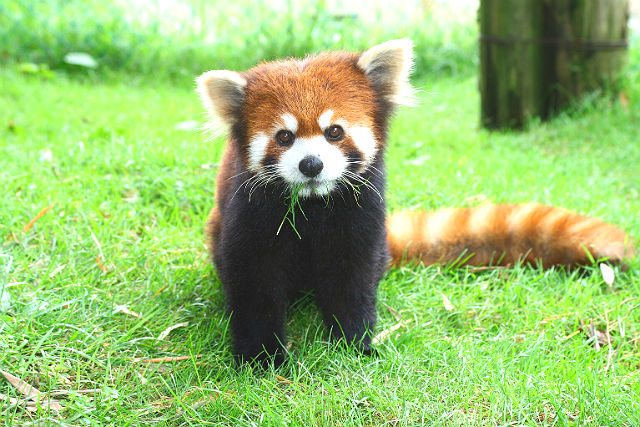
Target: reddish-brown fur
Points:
(308, 87)
(341, 249)
(488, 235)
(223, 182)
(504, 235)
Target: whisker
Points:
(364, 182)
(367, 166)
(250, 182)
(241, 185)
(264, 179)
(237, 175)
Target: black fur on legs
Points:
(340, 256)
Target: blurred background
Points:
(178, 39)
(175, 40)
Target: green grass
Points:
(132, 191)
(152, 41)
(293, 205)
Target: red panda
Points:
(315, 130)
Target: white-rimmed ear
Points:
(222, 93)
(388, 66)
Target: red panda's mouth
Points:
(317, 188)
(314, 184)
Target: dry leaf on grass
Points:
(200, 403)
(24, 388)
(393, 312)
(607, 274)
(283, 380)
(161, 289)
(124, 310)
(624, 100)
(166, 359)
(131, 196)
(37, 217)
(100, 264)
(555, 317)
(100, 257)
(142, 379)
(31, 392)
(571, 335)
(167, 331)
(12, 401)
(447, 304)
(57, 270)
(378, 339)
(597, 337)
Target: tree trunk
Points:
(536, 56)
(510, 86)
(593, 63)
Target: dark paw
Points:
(263, 360)
(363, 346)
(367, 350)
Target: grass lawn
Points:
(130, 193)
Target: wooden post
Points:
(510, 87)
(593, 63)
(538, 55)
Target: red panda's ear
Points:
(388, 66)
(222, 93)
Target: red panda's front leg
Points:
(257, 306)
(348, 305)
(256, 295)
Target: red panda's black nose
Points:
(310, 166)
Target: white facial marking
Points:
(365, 141)
(325, 119)
(363, 138)
(257, 151)
(333, 159)
(290, 122)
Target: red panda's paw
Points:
(263, 360)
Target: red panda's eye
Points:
(285, 137)
(334, 133)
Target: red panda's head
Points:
(314, 121)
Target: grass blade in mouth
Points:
(292, 200)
